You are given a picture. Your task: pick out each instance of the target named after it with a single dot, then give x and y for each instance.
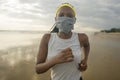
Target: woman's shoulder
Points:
(82, 36)
(46, 37)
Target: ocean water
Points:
(12, 39)
(18, 55)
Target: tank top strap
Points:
(51, 40)
(75, 37)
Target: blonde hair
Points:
(63, 5)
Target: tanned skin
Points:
(64, 56)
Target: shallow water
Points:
(12, 39)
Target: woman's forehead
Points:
(66, 9)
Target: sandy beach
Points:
(18, 63)
(104, 58)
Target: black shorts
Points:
(81, 78)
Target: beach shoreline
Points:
(103, 62)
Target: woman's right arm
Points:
(44, 65)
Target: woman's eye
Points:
(67, 15)
(70, 15)
(61, 15)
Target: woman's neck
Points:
(64, 35)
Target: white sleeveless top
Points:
(68, 70)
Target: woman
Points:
(61, 52)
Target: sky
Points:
(92, 15)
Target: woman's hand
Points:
(83, 65)
(63, 56)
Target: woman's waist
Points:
(66, 67)
(68, 72)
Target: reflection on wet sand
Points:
(104, 58)
(18, 63)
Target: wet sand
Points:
(104, 58)
(18, 63)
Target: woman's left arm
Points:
(86, 47)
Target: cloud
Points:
(29, 1)
(97, 14)
(18, 8)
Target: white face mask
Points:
(65, 24)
